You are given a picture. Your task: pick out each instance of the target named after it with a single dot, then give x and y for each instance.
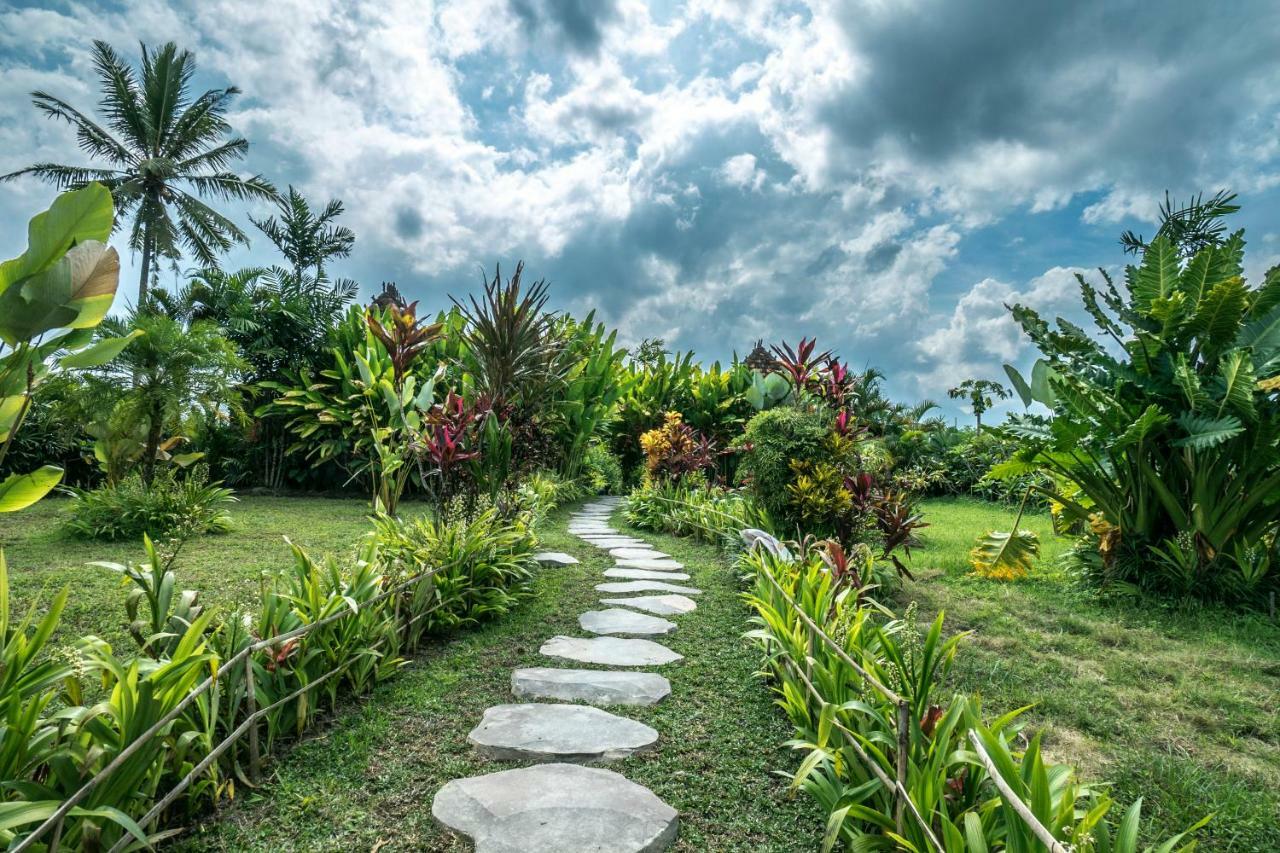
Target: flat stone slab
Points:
(623, 622)
(645, 574)
(609, 651)
(662, 605)
(597, 686)
(555, 808)
(646, 586)
(611, 540)
(637, 554)
(602, 529)
(555, 558)
(575, 733)
(651, 565)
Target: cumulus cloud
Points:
(713, 171)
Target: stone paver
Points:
(575, 733)
(646, 586)
(608, 541)
(555, 808)
(645, 574)
(637, 554)
(619, 621)
(609, 651)
(661, 605)
(597, 686)
(651, 565)
(555, 558)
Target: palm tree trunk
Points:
(152, 448)
(145, 279)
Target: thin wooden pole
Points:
(904, 749)
(1010, 797)
(251, 698)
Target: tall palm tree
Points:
(306, 239)
(164, 151)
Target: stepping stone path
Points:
(637, 554)
(651, 565)
(576, 733)
(596, 686)
(662, 605)
(619, 620)
(561, 806)
(556, 808)
(644, 574)
(646, 586)
(555, 558)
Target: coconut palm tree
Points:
(163, 152)
(307, 239)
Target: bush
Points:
(773, 441)
(710, 513)
(485, 565)
(170, 506)
(602, 471)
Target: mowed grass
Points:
(1178, 705)
(367, 779)
(223, 568)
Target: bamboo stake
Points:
(1010, 797)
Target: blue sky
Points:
(881, 175)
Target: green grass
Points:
(367, 780)
(224, 568)
(1180, 706)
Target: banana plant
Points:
(52, 297)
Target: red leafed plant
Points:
(801, 364)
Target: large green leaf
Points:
(1042, 383)
(1005, 556)
(100, 352)
(1203, 432)
(74, 217)
(1217, 317)
(76, 291)
(1150, 418)
(1263, 337)
(1157, 276)
(1019, 384)
(19, 491)
(1235, 383)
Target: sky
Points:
(884, 176)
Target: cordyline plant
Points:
(1167, 441)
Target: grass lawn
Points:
(224, 568)
(1178, 705)
(366, 781)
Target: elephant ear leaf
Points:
(1019, 384)
(1004, 556)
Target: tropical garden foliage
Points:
(1156, 447)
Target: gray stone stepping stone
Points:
(597, 686)
(556, 808)
(555, 558)
(645, 574)
(662, 605)
(575, 733)
(646, 586)
(609, 651)
(623, 622)
(637, 554)
(613, 542)
(602, 529)
(651, 565)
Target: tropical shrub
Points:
(173, 505)
(484, 565)
(688, 508)
(773, 441)
(675, 450)
(846, 700)
(1174, 430)
(654, 387)
(602, 470)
